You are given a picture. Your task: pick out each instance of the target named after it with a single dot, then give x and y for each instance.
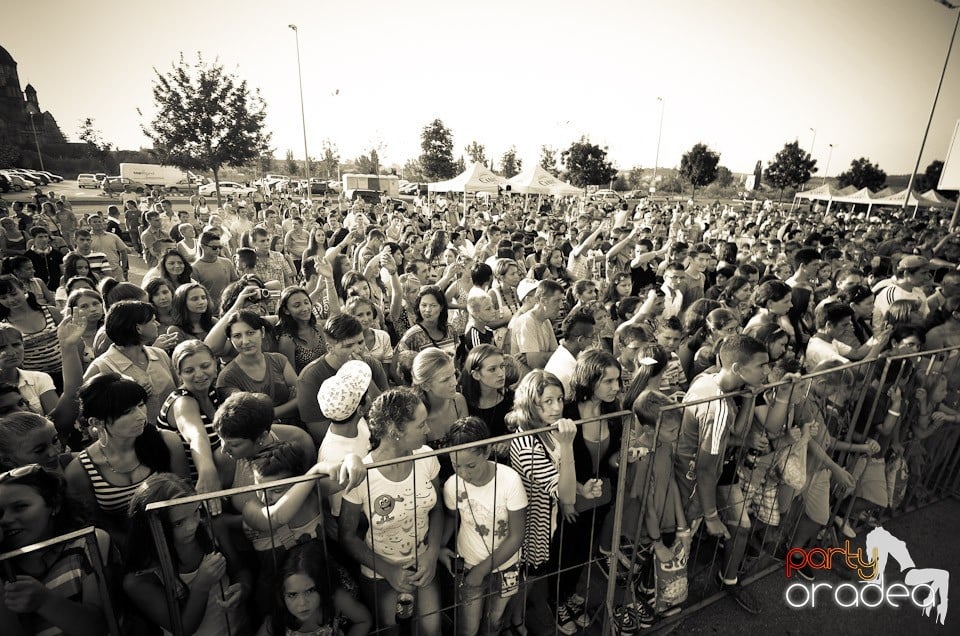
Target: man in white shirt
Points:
(536, 341)
(579, 334)
(913, 272)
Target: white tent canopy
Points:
(913, 200)
(476, 178)
(536, 180)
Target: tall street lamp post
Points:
(656, 159)
(303, 115)
(32, 111)
(826, 171)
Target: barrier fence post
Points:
(167, 570)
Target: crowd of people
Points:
(350, 345)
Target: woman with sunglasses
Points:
(54, 590)
(38, 324)
(36, 388)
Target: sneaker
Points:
(844, 527)
(644, 614)
(565, 622)
(744, 597)
(577, 606)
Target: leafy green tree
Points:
(548, 160)
(670, 183)
(510, 164)
(476, 152)
(266, 162)
(699, 167)
(10, 153)
(459, 166)
(862, 174)
(791, 167)
(930, 177)
(367, 164)
(291, 164)
(725, 177)
(436, 158)
(586, 164)
(328, 164)
(413, 171)
(757, 175)
(206, 119)
(96, 148)
(635, 179)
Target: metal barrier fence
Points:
(919, 462)
(85, 540)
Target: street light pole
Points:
(933, 108)
(303, 115)
(813, 141)
(32, 110)
(656, 159)
(826, 172)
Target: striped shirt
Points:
(64, 580)
(541, 480)
(110, 497)
(41, 349)
(705, 427)
(164, 424)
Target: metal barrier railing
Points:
(940, 476)
(92, 552)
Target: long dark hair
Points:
(68, 514)
(184, 277)
(108, 396)
(70, 267)
(308, 559)
(470, 386)
(440, 297)
(180, 313)
(7, 284)
(141, 552)
(287, 323)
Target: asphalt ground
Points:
(930, 536)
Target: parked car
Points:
(54, 178)
(226, 187)
(33, 175)
(318, 187)
(122, 184)
(99, 176)
(607, 196)
(87, 180)
(4, 183)
(18, 182)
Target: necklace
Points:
(125, 471)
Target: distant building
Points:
(16, 107)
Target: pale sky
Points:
(743, 76)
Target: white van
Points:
(87, 181)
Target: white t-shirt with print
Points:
(484, 513)
(398, 511)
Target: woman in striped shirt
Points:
(545, 463)
(127, 451)
(55, 590)
(37, 323)
(188, 411)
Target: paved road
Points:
(930, 535)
